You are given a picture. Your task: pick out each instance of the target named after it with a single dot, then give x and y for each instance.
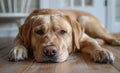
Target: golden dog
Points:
(51, 35)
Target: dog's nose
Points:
(50, 51)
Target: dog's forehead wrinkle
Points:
(57, 19)
(42, 18)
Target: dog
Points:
(51, 35)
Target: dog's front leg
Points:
(97, 53)
(18, 52)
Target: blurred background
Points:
(14, 12)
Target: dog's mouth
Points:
(49, 60)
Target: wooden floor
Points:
(76, 63)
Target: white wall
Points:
(118, 10)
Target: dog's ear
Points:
(77, 32)
(25, 31)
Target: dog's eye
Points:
(40, 32)
(62, 32)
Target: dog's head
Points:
(52, 37)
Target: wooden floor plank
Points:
(72, 65)
(14, 67)
(4, 42)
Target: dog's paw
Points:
(18, 53)
(102, 56)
